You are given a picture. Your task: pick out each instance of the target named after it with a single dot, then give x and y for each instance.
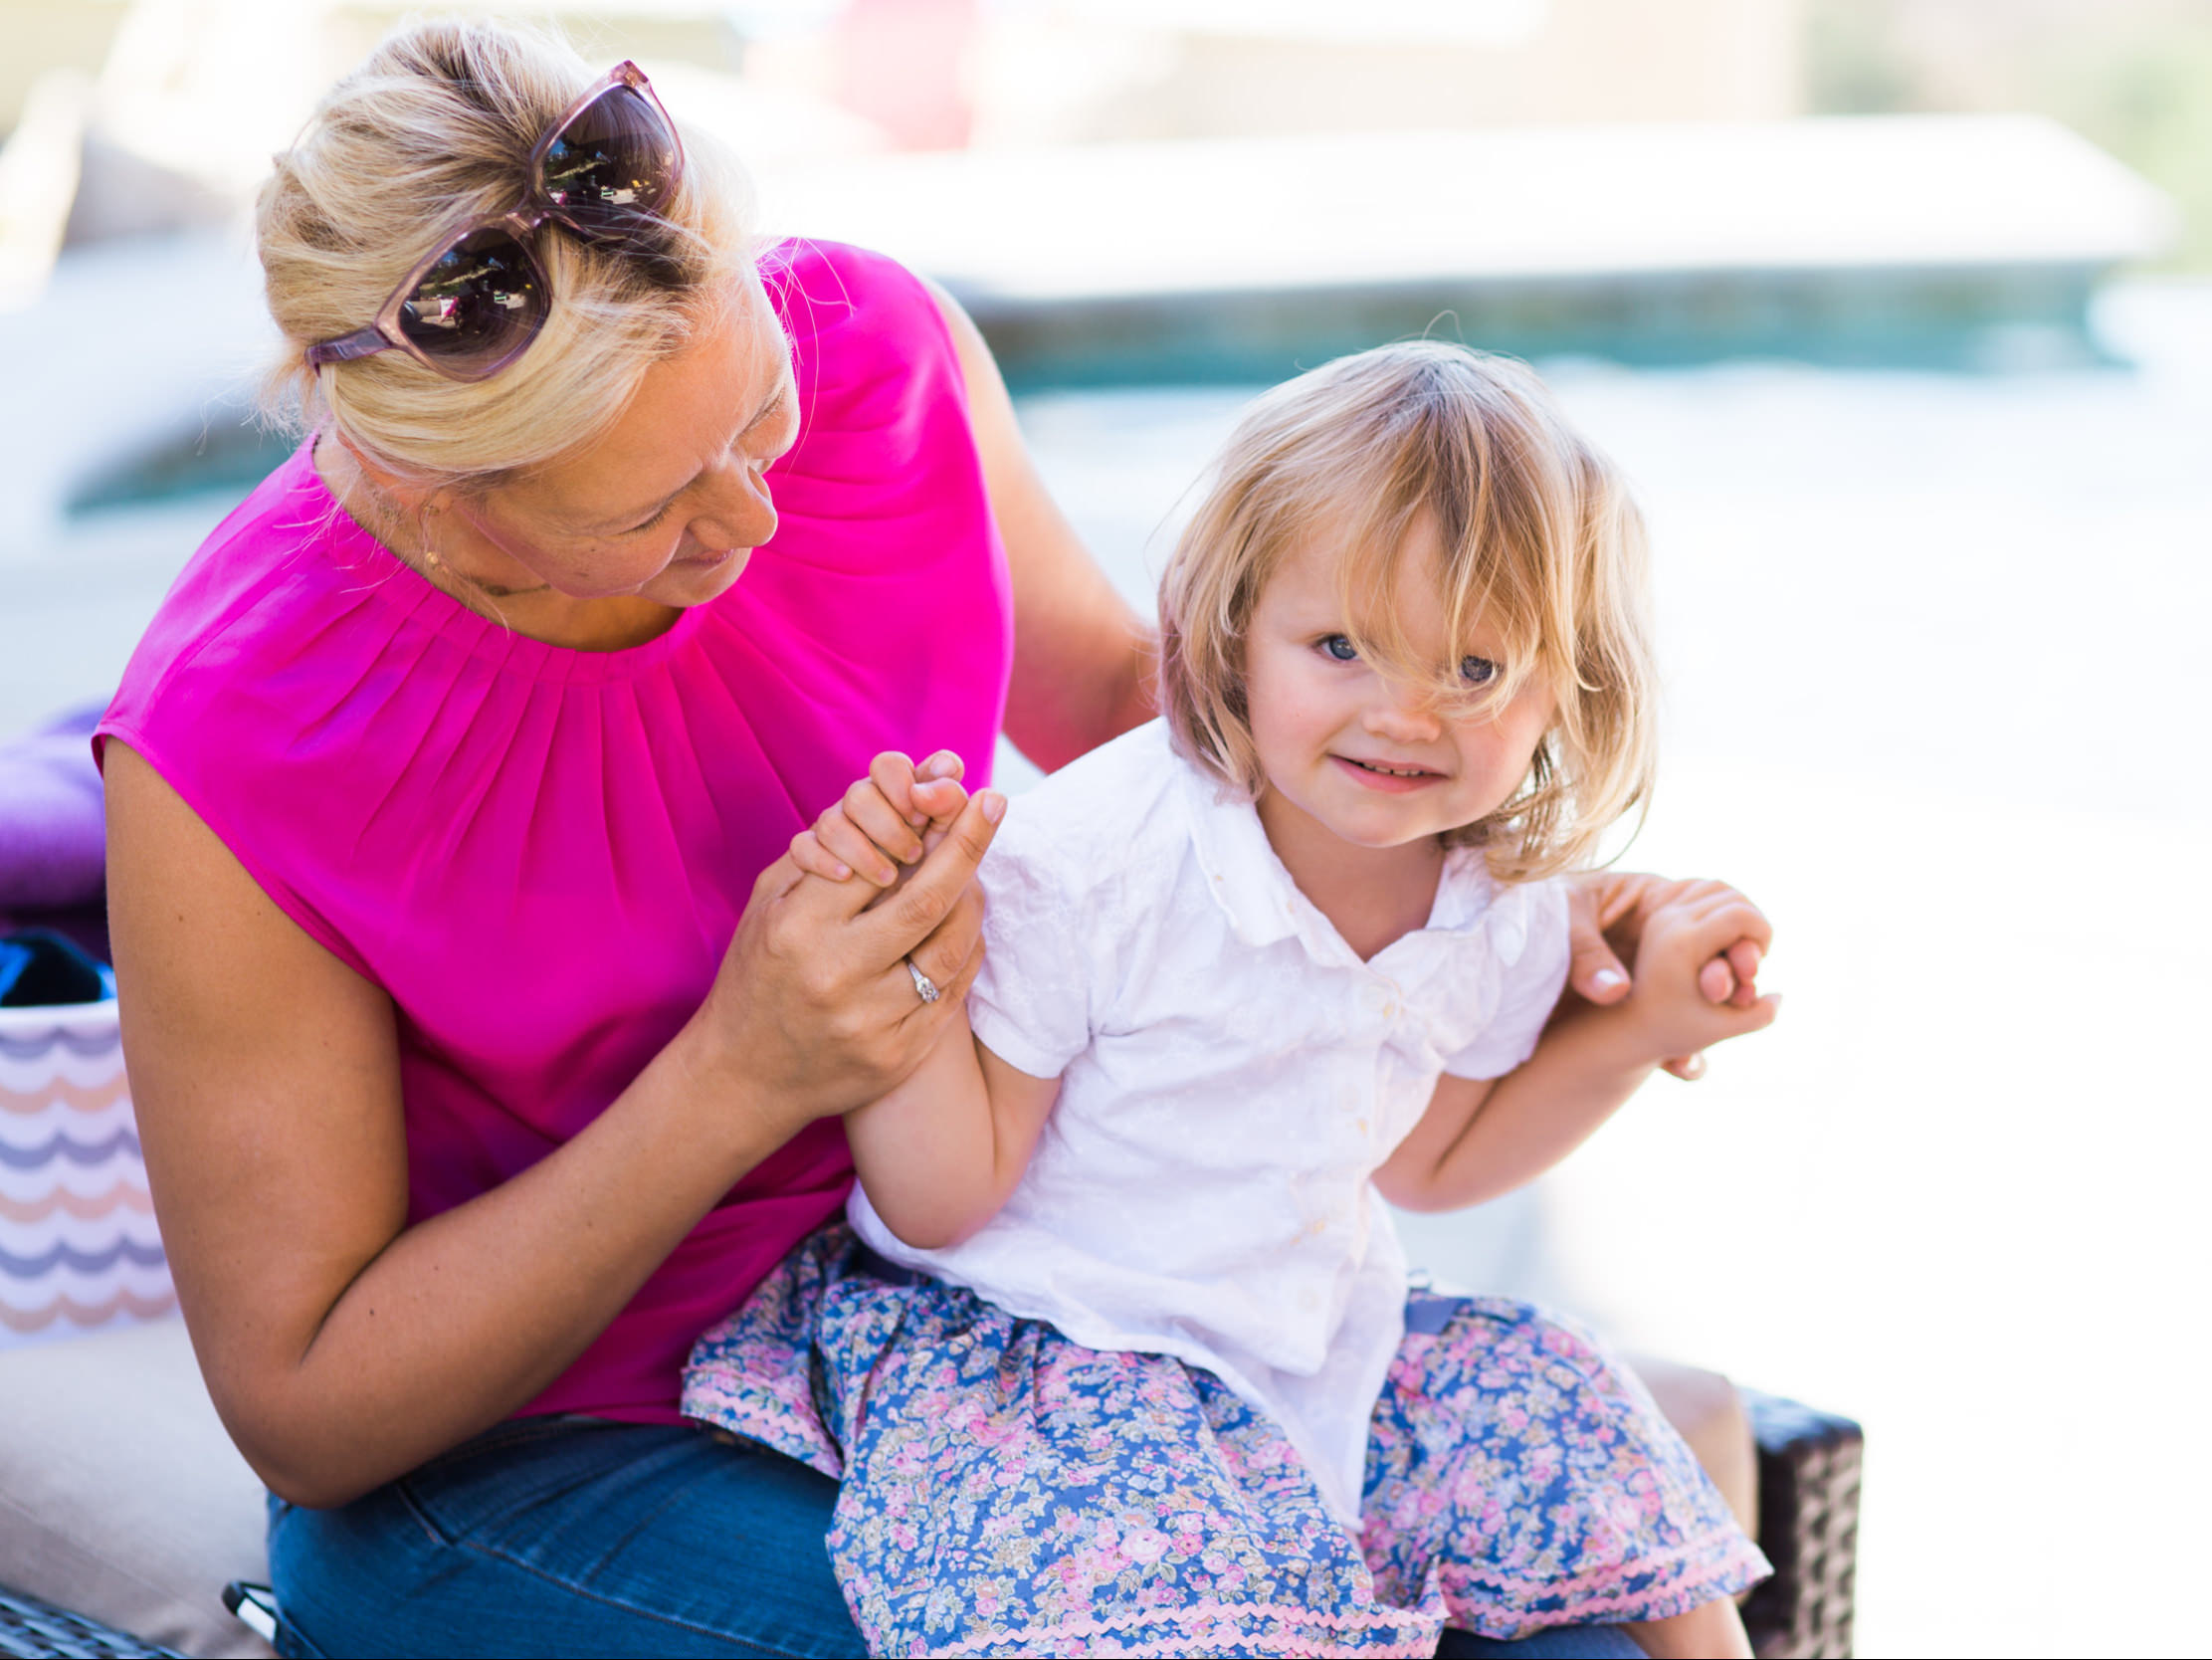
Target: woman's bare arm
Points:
(1082, 658)
(342, 1347)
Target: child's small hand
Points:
(1694, 957)
(888, 820)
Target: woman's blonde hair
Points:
(435, 128)
(1540, 542)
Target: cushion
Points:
(121, 1494)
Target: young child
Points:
(1116, 1354)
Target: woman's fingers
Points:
(1593, 969)
(952, 953)
(906, 918)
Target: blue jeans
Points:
(578, 1537)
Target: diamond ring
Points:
(923, 985)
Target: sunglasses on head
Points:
(602, 172)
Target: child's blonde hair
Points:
(1539, 540)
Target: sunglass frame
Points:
(523, 223)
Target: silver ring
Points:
(923, 985)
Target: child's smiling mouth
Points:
(1383, 776)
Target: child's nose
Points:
(1404, 715)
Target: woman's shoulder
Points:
(239, 597)
(869, 304)
(884, 435)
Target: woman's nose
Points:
(739, 513)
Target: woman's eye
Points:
(648, 524)
(1477, 671)
(1340, 648)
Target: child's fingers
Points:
(941, 799)
(880, 820)
(841, 839)
(1717, 981)
(943, 765)
(808, 853)
(1744, 957)
(925, 795)
(893, 775)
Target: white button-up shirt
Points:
(1231, 1077)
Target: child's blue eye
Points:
(1477, 671)
(1340, 648)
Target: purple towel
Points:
(52, 821)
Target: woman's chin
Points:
(698, 577)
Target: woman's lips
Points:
(1396, 781)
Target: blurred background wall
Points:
(1899, 314)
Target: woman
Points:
(482, 1047)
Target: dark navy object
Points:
(39, 968)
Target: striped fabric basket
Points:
(79, 1251)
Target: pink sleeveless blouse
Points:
(540, 853)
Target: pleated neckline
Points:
(363, 565)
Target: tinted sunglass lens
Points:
(613, 163)
(478, 304)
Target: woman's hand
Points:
(813, 1009)
(1682, 945)
(1606, 915)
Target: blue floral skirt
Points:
(1006, 1491)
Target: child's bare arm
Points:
(1482, 1139)
(939, 1154)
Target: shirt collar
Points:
(1242, 871)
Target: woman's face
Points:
(668, 506)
